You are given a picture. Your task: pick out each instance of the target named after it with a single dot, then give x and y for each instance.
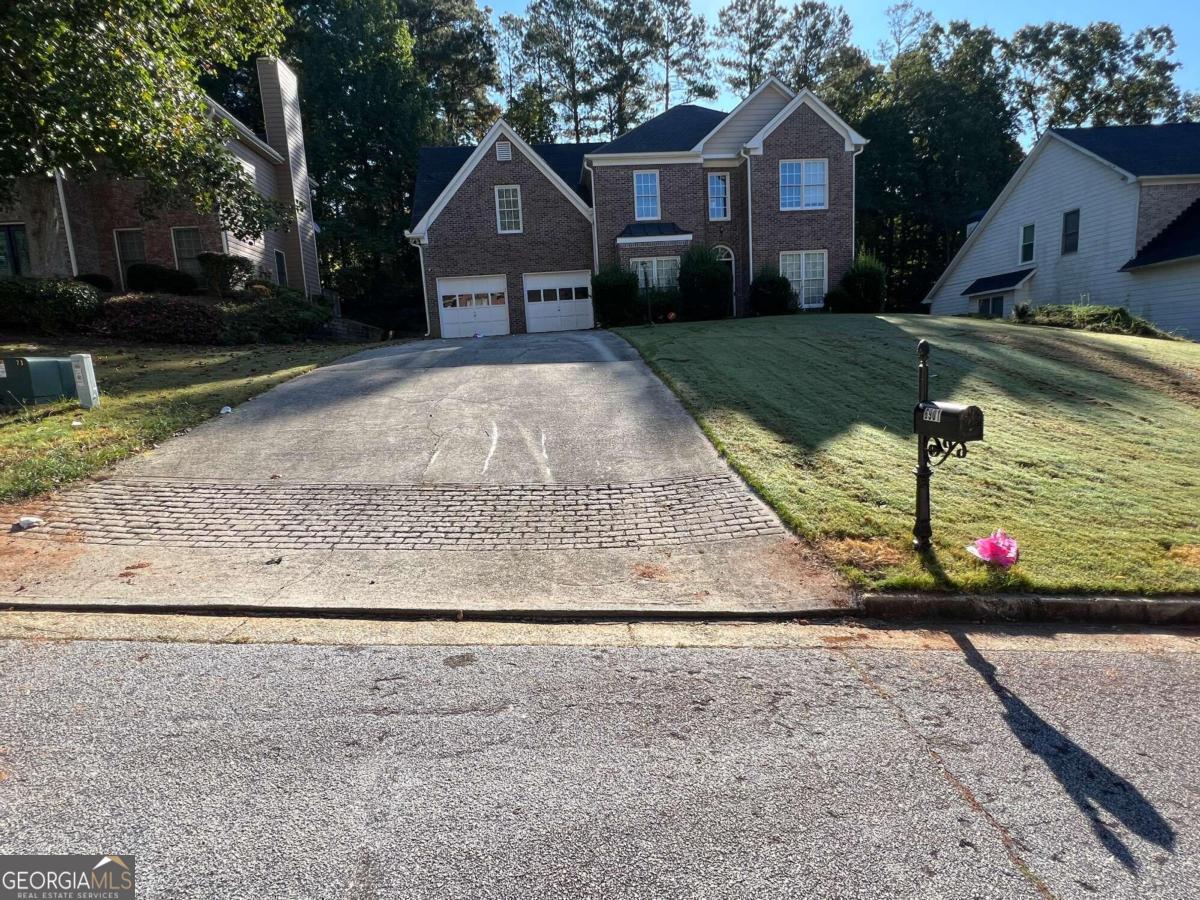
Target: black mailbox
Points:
(948, 421)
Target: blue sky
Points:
(1006, 17)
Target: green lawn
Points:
(1091, 458)
(147, 394)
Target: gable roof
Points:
(1144, 151)
(679, 129)
(770, 83)
(444, 178)
(812, 101)
(1179, 240)
(437, 166)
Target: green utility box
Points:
(35, 379)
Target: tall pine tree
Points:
(749, 31)
(681, 53)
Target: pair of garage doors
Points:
(478, 305)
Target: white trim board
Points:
(656, 239)
(421, 229)
(248, 136)
(807, 98)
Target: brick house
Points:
(510, 233)
(61, 225)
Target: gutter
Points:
(62, 202)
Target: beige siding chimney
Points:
(281, 116)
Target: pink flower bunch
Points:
(998, 549)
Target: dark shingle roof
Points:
(679, 128)
(1179, 240)
(652, 229)
(1143, 150)
(1001, 282)
(437, 166)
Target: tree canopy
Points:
(90, 83)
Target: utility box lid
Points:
(36, 379)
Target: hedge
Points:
(47, 304)
(770, 294)
(151, 278)
(615, 298)
(167, 319)
(705, 285)
(862, 289)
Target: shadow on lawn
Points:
(1090, 784)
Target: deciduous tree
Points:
(85, 83)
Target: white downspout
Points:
(854, 203)
(62, 202)
(424, 287)
(749, 228)
(595, 237)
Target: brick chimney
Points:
(281, 116)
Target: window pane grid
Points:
(645, 195)
(657, 273)
(805, 271)
(718, 196)
(508, 209)
(187, 248)
(803, 184)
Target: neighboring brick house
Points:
(509, 234)
(61, 225)
(1107, 216)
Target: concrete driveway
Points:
(534, 472)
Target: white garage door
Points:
(558, 301)
(471, 306)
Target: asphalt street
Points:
(953, 765)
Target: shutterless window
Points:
(131, 248)
(14, 251)
(645, 195)
(805, 271)
(187, 248)
(1070, 232)
(992, 307)
(280, 267)
(803, 184)
(718, 196)
(1027, 243)
(657, 273)
(508, 209)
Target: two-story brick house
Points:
(63, 225)
(509, 234)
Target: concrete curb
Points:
(1034, 608)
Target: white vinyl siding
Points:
(508, 209)
(188, 246)
(1062, 178)
(645, 195)
(749, 121)
(656, 272)
(803, 184)
(718, 196)
(806, 271)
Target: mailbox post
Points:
(943, 430)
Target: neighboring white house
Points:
(1094, 215)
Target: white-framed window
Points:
(131, 248)
(718, 196)
(1070, 232)
(803, 184)
(656, 272)
(14, 250)
(1027, 235)
(508, 209)
(807, 272)
(281, 268)
(503, 151)
(188, 246)
(645, 195)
